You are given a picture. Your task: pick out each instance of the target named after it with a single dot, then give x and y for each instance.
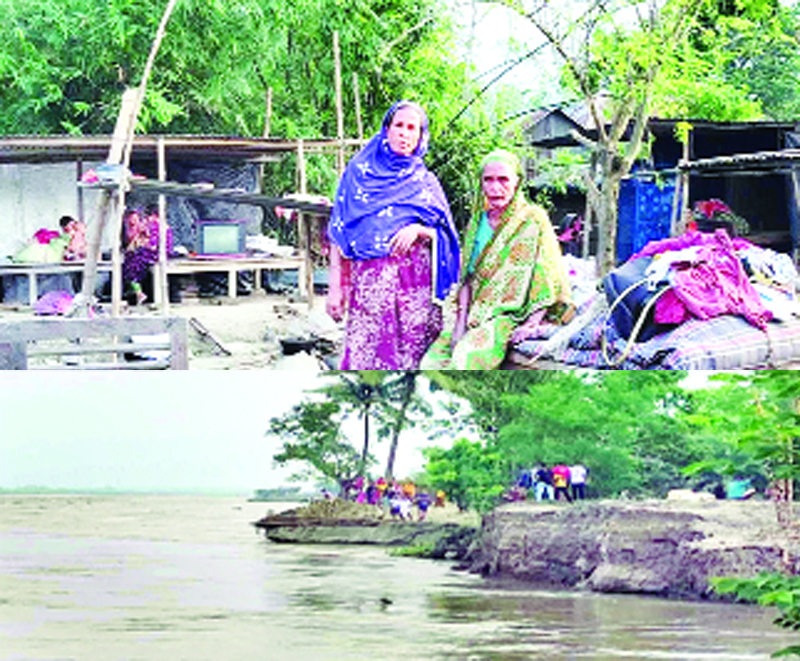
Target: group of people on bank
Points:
(399, 499)
(410, 293)
(559, 482)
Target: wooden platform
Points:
(33, 271)
(232, 266)
(104, 343)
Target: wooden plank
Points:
(15, 337)
(13, 356)
(179, 350)
(85, 349)
(49, 328)
(32, 271)
(227, 194)
(134, 365)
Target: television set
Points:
(221, 237)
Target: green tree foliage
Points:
(758, 415)
(631, 59)
(387, 403)
(617, 50)
(484, 392)
(757, 418)
(471, 476)
(313, 438)
(739, 63)
(65, 63)
(622, 425)
(765, 589)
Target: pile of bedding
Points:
(729, 305)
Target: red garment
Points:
(560, 472)
(715, 284)
(689, 240)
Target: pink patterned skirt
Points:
(391, 318)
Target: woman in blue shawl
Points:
(394, 247)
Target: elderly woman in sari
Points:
(512, 273)
(394, 248)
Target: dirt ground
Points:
(250, 330)
(244, 333)
(728, 522)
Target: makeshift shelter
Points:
(764, 194)
(197, 176)
(750, 166)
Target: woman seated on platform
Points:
(393, 248)
(512, 272)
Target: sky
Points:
(148, 431)
(494, 35)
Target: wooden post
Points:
(116, 253)
(265, 133)
(357, 98)
(681, 196)
(96, 228)
(305, 279)
(78, 177)
(267, 112)
(161, 288)
(337, 68)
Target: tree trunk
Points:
(606, 210)
(365, 451)
(398, 427)
(782, 495)
(409, 388)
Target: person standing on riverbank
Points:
(394, 248)
(561, 482)
(542, 483)
(578, 473)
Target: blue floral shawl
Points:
(381, 192)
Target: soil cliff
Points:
(445, 533)
(662, 548)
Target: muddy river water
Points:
(188, 577)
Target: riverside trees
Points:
(641, 433)
(238, 67)
(621, 424)
(757, 419)
(683, 59)
(387, 403)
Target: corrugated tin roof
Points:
(49, 149)
(756, 161)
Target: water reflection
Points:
(520, 624)
(185, 578)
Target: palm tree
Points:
(388, 396)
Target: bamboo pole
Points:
(265, 133)
(337, 68)
(120, 152)
(95, 230)
(116, 252)
(357, 97)
(148, 68)
(161, 285)
(304, 231)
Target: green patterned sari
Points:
(519, 272)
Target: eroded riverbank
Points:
(654, 547)
(663, 548)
